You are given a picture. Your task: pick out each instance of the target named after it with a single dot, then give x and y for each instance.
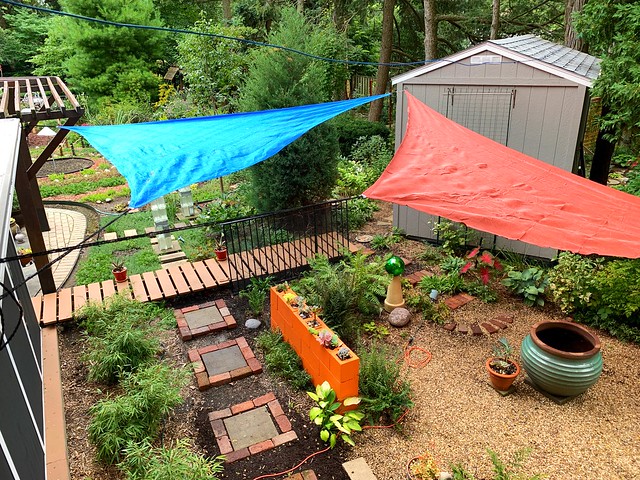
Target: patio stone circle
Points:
(251, 427)
(223, 363)
(198, 320)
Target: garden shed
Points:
(524, 92)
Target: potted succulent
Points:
(220, 248)
(502, 369)
(26, 253)
(119, 271)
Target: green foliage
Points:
(386, 241)
(281, 360)
(89, 60)
(78, 187)
(150, 394)
(214, 68)
(484, 292)
(360, 211)
(445, 284)
(633, 185)
(618, 286)
(24, 34)
(352, 130)
(304, 172)
(502, 471)
(117, 112)
(419, 300)
(101, 197)
(453, 237)
(452, 264)
(385, 393)
(572, 282)
(431, 255)
(144, 462)
(345, 290)
(611, 30)
(375, 330)
(120, 351)
(333, 425)
(256, 293)
(530, 283)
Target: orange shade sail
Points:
(444, 169)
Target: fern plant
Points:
(256, 293)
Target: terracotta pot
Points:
(120, 275)
(498, 380)
(26, 260)
(562, 358)
(221, 254)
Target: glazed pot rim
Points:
(573, 327)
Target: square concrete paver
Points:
(250, 427)
(203, 319)
(223, 363)
(225, 360)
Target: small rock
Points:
(445, 476)
(364, 238)
(252, 323)
(108, 200)
(399, 317)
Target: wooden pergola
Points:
(32, 100)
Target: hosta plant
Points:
(333, 425)
(530, 283)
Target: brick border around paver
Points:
(205, 381)
(187, 334)
(282, 423)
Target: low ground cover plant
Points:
(281, 359)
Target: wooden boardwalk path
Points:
(187, 278)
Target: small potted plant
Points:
(220, 248)
(502, 369)
(119, 271)
(26, 253)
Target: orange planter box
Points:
(319, 362)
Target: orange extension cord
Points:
(423, 359)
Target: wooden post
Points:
(31, 221)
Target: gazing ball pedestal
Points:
(394, 266)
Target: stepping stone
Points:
(223, 363)
(505, 318)
(198, 320)
(450, 326)
(130, 233)
(489, 327)
(476, 330)
(224, 360)
(358, 470)
(464, 329)
(499, 324)
(111, 236)
(458, 300)
(252, 427)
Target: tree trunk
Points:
(300, 6)
(226, 9)
(430, 30)
(382, 78)
(571, 38)
(495, 19)
(602, 155)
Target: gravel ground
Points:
(457, 414)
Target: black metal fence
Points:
(279, 244)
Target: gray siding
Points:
(544, 122)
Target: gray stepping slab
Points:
(223, 360)
(202, 317)
(249, 428)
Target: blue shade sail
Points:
(157, 158)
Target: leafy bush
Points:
(383, 392)
(281, 359)
(345, 290)
(150, 394)
(530, 283)
(436, 312)
(484, 292)
(453, 237)
(572, 282)
(360, 211)
(256, 293)
(144, 462)
(351, 129)
(452, 264)
(451, 283)
(333, 425)
(386, 241)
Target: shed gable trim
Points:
(496, 49)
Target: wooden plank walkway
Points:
(187, 278)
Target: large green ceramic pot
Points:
(562, 358)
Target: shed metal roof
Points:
(542, 54)
(554, 54)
